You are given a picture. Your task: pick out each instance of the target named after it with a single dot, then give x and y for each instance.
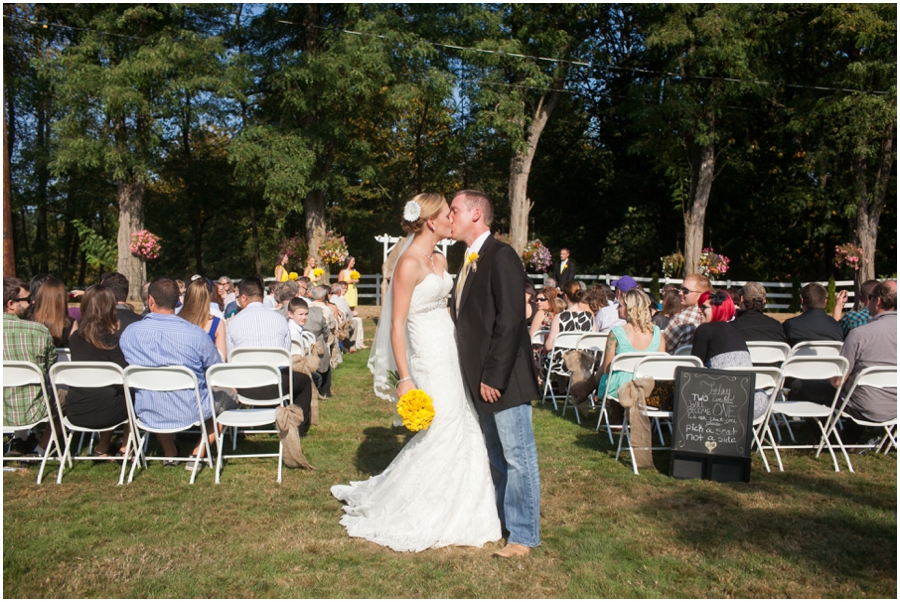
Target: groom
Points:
(488, 306)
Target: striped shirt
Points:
(167, 340)
(25, 341)
(257, 326)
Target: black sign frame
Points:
(712, 422)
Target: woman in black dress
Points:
(96, 341)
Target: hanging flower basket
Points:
(145, 244)
(333, 249)
(849, 255)
(713, 264)
(672, 265)
(295, 247)
(537, 255)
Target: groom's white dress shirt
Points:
(479, 242)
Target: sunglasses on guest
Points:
(539, 299)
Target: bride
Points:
(438, 490)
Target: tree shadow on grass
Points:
(379, 447)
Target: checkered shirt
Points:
(681, 328)
(854, 319)
(25, 341)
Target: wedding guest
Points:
(530, 303)
(813, 324)
(543, 319)
(753, 324)
(118, 284)
(680, 331)
(196, 310)
(355, 334)
(97, 340)
(576, 317)
(145, 298)
(608, 317)
(284, 292)
(597, 298)
(564, 271)
(861, 315)
(734, 292)
(34, 285)
(216, 301)
(637, 334)
(719, 345)
(50, 309)
(671, 305)
(226, 290)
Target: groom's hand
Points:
(489, 393)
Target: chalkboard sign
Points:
(713, 421)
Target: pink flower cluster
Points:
(712, 264)
(145, 244)
(537, 255)
(849, 255)
(333, 249)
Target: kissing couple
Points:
(473, 474)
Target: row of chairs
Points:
(246, 368)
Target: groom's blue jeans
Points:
(513, 456)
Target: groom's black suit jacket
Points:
(494, 345)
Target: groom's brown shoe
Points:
(511, 550)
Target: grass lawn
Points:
(808, 532)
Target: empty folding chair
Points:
(767, 353)
(813, 368)
(770, 380)
(164, 379)
(660, 368)
(623, 362)
(88, 375)
(879, 377)
(565, 341)
(27, 374)
(261, 411)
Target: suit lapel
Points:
(473, 275)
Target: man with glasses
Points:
(24, 341)
(681, 328)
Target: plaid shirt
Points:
(681, 328)
(855, 318)
(25, 341)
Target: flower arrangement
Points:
(712, 264)
(318, 272)
(848, 254)
(293, 275)
(354, 275)
(295, 247)
(333, 248)
(145, 244)
(416, 409)
(537, 255)
(673, 264)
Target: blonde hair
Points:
(430, 204)
(196, 303)
(637, 309)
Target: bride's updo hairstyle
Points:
(429, 206)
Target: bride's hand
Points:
(404, 388)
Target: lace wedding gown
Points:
(438, 491)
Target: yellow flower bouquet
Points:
(416, 409)
(318, 272)
(354, 275)
(293, 275)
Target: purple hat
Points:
(624, 284)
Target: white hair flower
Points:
(412, 211)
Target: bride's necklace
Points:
(428, 257)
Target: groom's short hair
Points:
(476, 198)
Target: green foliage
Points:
(99, 253)
(654, 285)
(829, 305)
(796, 285)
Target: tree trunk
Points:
(41, 240)
(131, 220)
(520, 170)
(314, 208)
(869, 207)
(9, 253)
(703, 165)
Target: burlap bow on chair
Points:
(582, 381)
(287, 419)
(632, 396)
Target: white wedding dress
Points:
(438, 491)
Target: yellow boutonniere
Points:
(473, 259)
(565, 265)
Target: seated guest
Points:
(118, 284)
(753, 324)
(551, 283)
(284, 292)
(813, 324)
(530, 303)
(355, 335)
(734, 292)
(97, 340)
(145, 298)
(597, 297)
(861, 315)
(543, 319)
(298, 317)
(671, 305)
(319, 296)
(718, 345)
(257, 326)
(576, 318)
(49, 309)
(872, 344)
(608, 317)
(164, 339)
(317, 324)
(196, 310)
(216, 302)
(226, 290)
(25, 341)
(635, 335)
(680, 331)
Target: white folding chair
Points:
(268, 356)
(309, 337)
(88, 375)
(660, 368)
(299, 347)
(539, 337)
(63, 354)
(261, 412)
(565, 341)
(24, 374)
(770, 380)
(593, 343)
(813, 368)
(768, 353)
(164, 379)
(816, 349)
(683, 350)
(879, 377)
(623, 362)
